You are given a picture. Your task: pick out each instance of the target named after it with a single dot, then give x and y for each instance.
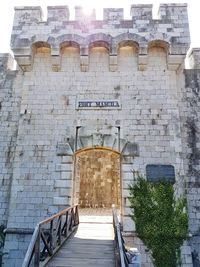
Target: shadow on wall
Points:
(2, 238)
(195, 259)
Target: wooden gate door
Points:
(98, 178)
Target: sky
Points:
(7, 13)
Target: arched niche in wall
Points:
(127, 55)
(157, 55)
(70, 56)
(41, 52)
(99, 56)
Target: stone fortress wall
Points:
(138, 64)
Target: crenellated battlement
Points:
(171, 28)
(57, 13)
(141, 12)
(26, 15)
(173, 11)
(34, 14)
(6, 62)
(194, 58)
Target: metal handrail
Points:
(121, 259)
(55, 232)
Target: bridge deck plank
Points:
(92, 245)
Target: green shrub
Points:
(161, 220)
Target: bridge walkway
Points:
(91, 245)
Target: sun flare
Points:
(88, 10)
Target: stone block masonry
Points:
(192, 146)
(138, 64)
(10, 98)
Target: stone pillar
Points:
(65, 168)
(55, 59)
(113, 63)
(142, 62)
(84, 63)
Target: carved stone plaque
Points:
(156, 172)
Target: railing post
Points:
(51, 236)
(37, 251)
(77, 215)
(66, 225)
(71, 219)
(59, 230)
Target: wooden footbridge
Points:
(69, 240)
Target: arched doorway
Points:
(97, 177)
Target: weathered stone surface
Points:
(130, 149)
(191, 97)
(64, 149)
(60, 201)
(128, 224)
(9, 120)
(62, 183)
(64, 167)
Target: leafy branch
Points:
(161, 220)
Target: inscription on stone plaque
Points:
(98, 104)
(156, 172)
